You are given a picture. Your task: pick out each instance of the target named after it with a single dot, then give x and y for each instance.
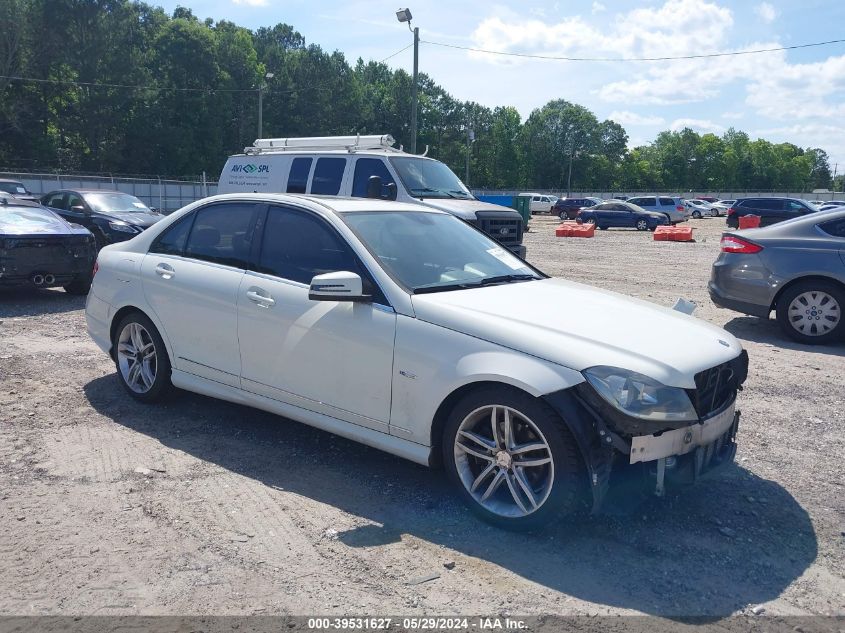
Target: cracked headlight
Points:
(641, 396)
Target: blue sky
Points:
(796, 96)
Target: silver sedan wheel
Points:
(136, 357)
(642, 225)
(504, 461)
(814, 313)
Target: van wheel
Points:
(512, 458)
(143, 367)
(811, 312)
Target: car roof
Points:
(335, 204)
(17, 182)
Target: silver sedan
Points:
(796, 268)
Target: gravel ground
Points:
(202, 507)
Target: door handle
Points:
(265, 301)
(165, 271)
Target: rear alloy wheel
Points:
(512, 458)
(563, 215)
(143, 366)
(811, 312)
(696, 215)
(642, 225)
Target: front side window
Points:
(431, 252)
(366, 168)
(56, 201)
(298, 176)
(426, 178)
(74, 200)
(222, 233)
(298, 246)
(328, 175)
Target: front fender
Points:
(432, 362)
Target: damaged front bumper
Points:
(646, 463)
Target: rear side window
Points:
(647, 202)
(328, 175)
(667, 202)
(767, 204)
(836, 228)
(173, 240)
(364, 168)
(298, 177)
(222, 233)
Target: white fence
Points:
(165, 195)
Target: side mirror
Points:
(78, 208)
(391, 191)
(339, 286)
(374, 187)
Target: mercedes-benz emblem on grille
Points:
(504, 231)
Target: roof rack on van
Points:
(351, 144)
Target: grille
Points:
(717, 386)
(505, 230)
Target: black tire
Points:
(601, 228)
(591, 220)
(567, 482)
(784, 318)
(642, 225)
(79, 286)
(669, 220)
(563, 215)
(161, 385)
(696, 215)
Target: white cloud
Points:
(699, 125)
(766, 12)
(624, 117)
(252, 3)
(598, 7)
(733, 115)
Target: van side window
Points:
(364, 168)
(667, 202)
(648, 202)
(327, 176)
(298, 178)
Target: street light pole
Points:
(404, 15)
(470, 141)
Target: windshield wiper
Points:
(499, 279)
(430, 190)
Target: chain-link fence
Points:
(721, 195)
(163, 194)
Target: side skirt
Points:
(382, 441)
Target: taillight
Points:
(679, 208)
(734, 244)
(731, 211)
(96, 267)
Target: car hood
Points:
(464, 209)
(579, 326)
(142, 219)
(35, 221)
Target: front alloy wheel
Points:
(642, 225)
(512, 457)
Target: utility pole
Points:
(569, 177)
(404, 15)
(470, 141)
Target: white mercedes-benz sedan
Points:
(411, 331)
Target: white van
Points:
(364, 167)
(540, 202)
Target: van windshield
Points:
(426, 178)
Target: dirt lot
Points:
(201, 507)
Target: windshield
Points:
(13, 188)
(115, 203)
(432, 252)
(426, 178)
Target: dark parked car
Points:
(112, 216)
(770, 210)
(16, 189)
(622, 214)
(38, 248)
(567, 208)
(796, 268)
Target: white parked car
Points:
(540, 202)
(722, 206)
(408, 330)
(701, 208)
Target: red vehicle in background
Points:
(710, 199)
